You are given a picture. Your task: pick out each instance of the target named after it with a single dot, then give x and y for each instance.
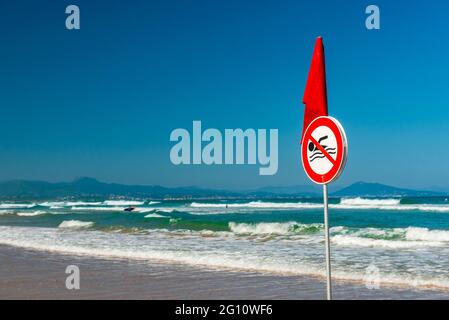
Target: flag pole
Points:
(327, 243)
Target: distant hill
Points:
(365, 189)
(89, 188)
(92, 188)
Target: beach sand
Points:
(27, 274)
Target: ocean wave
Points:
(370, 202)
(155, 215)
(424, 234)
(349, 240)
(76, 224)
(31, 213)
(98, 208)
(258, 204)
(276, 228)
(60, 204)
(399, 207)
(144, 209)
(165, 210)
(345, 204)
(16, 205)
(123, 203)
(395, 238)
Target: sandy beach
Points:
(27, 274)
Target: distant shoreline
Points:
(28, 274)
(92, 188)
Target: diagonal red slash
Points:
(328, 156)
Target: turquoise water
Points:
(396, 241)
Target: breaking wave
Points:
(98, 208)
(76, 224)
(370, 202)
(31, 213)
(276, 228)
(258, 204)
(155, 215)
(123, 203)
(344, 204)
(398, 238)
(60, 204)
(424, 234)
(16, 205)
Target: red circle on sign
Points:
(341, 150)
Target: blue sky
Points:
(101, 101)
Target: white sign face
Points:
(317, 160)
(324, 149)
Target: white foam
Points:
(259, 204)
(16, 205)
(275, 228)
(153, 202)
(345, 204)
(31, 213)
(155, 215)
(435, 208)
(98, 208)
(75, 224)
(424, 234)
(165, 210)
(370, 202)
(143, 210)
(123, 203)
(386, 204)
(59, 204)
(354, 241)
(400, 207)
(154, 209)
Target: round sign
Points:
(324, 149)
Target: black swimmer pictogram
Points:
(316, 153)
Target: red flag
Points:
(315, 94)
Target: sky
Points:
(102, 101)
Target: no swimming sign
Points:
(324, 150)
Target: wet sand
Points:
(27, 274)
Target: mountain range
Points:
(92, 188)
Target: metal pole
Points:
(327, 243)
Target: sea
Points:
(380, 241)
